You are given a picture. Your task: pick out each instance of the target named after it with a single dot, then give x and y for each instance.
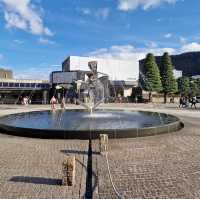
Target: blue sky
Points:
(37, 35)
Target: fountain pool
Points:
(80, 124)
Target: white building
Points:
(177, 73)
(115, 69)
(196, 76)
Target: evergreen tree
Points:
(194, 87)
(151, 78)
(197, 81)
(184, 85)
(167, 76)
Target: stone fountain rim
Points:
(94, 134)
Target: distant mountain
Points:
(189, 63)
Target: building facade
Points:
(12, 90)
(6, 74)
(114, 68)
(118, 76)
(177, 73)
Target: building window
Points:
(5, 84)
(32, 85)
(22, 85)
(27, 85)
(11, 84)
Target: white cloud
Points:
(17, 41)
(102, 13)
(85, 11)
(128, 52)
(190, 47)
(151, 44)
(183, 40)
(41, 72)
(42, 40)
(168, 35)
(126, 5)
(24, 15)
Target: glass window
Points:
(22, 85)
(5, 84)
(11, 84)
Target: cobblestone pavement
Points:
(32, 168)
(156, 167)
(163, 167)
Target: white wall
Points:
(115, 69)
(177, 73)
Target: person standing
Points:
(181, 102)
(62, 105)
(194, 101)
(53, 102)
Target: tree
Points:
(167, 76)
(197, 81)
(151, 79)
(184, 85)
(194, 87)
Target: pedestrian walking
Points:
(193, 102)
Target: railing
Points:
(17, 85)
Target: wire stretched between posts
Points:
(111, 180)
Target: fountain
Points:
(90, 122)
(94, 89)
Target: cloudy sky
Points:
(37, 35)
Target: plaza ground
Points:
(163, 166)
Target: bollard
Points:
(68, 170)
(103, 143)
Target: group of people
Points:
(54, 101)
(186, 102)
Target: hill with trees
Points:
(189, 63)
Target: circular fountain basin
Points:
(79, 124)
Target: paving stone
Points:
(32, 168)
(156, 167)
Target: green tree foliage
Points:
(184, 85)
(189, 86)
(197, 82)
(167, 76)
(152, 80)
(194, 87)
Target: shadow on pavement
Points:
(78, 152)
(36, 180)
